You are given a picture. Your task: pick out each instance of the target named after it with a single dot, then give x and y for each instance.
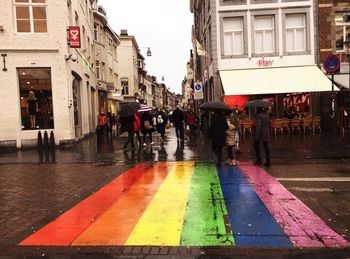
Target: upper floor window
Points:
(264, 34)
(342, 29)
(125, 87)
(96, 32)
(233, 36)
(31, 16)
(295, 32)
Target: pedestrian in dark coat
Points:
(162, 120)
(178, 120)
(217, 134)
(127, 125)
(147, 127)
(262, 131)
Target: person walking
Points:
(191, 121)
(161, 122)
(217, 134)
(128, 125)
(147, 127)
(231, 140)
(262, 130)
(137, 128)
(102, 123)
(234, 119)
(178, 120)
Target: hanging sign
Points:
(198, 91)
(74, 36)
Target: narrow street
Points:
(97, 195)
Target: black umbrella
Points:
(129, 109)
(214, 106)
(258, 104)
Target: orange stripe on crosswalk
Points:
(66, 228)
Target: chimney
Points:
(123, 32)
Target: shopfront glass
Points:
(36, 98)
(297, 105)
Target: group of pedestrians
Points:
(224, 131)
(107, 123)
(145, 123)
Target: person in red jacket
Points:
(191, 121)
(137, 128)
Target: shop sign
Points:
(265, 62)
(74, 36)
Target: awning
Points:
(275, 80)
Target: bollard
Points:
(46, 140)
(52, 140)
(40, 140)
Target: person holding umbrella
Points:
(126, 119)
(262, 135)
(217, 134)
(147, 126)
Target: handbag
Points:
(147, 125)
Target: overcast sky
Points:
(162, 25)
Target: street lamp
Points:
(347, 52)
(149, 53)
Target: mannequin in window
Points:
(32, 108)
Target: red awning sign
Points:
(74, 36)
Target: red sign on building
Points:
(74, 36)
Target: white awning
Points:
(275, 80)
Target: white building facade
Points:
(258, 48)
(46, 85)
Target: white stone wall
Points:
(45, 50)
(128, 67)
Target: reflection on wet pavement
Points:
(286, 148)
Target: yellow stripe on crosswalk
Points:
(162, 222)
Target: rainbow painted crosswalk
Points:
(189, 204)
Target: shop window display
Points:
(296, 105)
(36, 98)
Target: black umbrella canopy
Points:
(129, 109)
(258, 104)
(212, 105)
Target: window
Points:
(264, 34)
(31, 16)
(342, 31)
(125, 87)
(35, 98)
(98, 73)
(295, 32)
(95, 32)
(233, 36)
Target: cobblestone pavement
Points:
(33, 192)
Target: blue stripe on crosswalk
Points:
(252, 224)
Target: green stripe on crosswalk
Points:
(206, 221)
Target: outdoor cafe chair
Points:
(285, 124)
(306, 123)
(247, 126)
(295, 124)
(277, 125)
